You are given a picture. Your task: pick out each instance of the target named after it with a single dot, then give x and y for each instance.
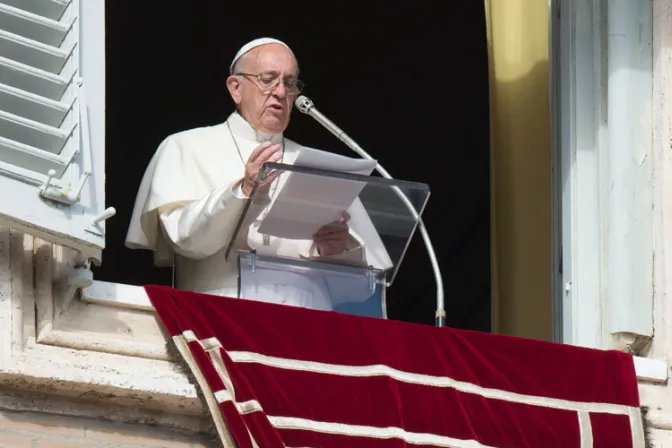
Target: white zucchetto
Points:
(254, 44)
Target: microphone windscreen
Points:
(303, 104)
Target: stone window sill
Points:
(101, 347)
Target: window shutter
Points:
(51, 141)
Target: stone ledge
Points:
(22, 401)
(102, 350)
(129, 296)
(136, 382)
(650, 370)
(98, 385)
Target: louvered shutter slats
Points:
(30, 52)
(38, 101)
(52, 9)
(52, 143)
(33, 80)
(33, 26)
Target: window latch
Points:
(65, 195)
(96, 225)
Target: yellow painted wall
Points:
(518, 48)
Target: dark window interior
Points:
(411, 87)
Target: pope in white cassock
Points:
(198, 182)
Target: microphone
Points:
(306, 106)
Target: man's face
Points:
(258, 89)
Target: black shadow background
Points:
(411, 88)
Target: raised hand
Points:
(266, 152)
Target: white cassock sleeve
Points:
(186, 202)
(204, 227)
(190, 202)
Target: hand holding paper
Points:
(334, 238)
(304, 203)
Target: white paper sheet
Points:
(304, 203)
(318, 159)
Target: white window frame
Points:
(51, 343)
(68, 209)
(603, 295)
(576, 77)
(38, 353)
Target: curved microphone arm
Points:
(306, 106)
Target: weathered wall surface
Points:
(80, 374)
(661, 347)
(659, 397)
(115, 356)
(32, 430)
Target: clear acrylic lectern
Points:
(275, 248)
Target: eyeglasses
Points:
(269, 81)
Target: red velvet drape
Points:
(293, 377)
